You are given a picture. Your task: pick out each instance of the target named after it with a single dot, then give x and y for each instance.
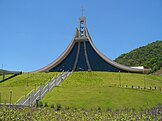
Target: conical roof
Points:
(82, 55)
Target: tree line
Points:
(149, 56)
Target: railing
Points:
(42, 90)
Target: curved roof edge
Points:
(61, 57)
(88, 38)
(117, 65)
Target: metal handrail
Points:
(42, 90)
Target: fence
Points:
(42, 90)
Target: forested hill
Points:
(149, 56)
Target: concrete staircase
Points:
(34, 96)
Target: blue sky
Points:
(33, 33)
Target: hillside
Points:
(90, 90)
(21, 85)
(149, 56)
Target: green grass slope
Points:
(90, 90)
(21, 85)
(6, 76)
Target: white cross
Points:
(82, 10)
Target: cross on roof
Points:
(82, 10)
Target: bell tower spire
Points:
(82, 24)
(82, 55)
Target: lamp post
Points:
(0, 98)
(144, 80)
(10, 96)
(25, 92)
(119, 79)
(35, 87)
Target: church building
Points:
(82, 55)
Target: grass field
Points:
(90, 90)
(21, 85)
(6, 76)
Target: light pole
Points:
(10, 96)
(25, 92)
(0, 98)
(119, 79)
(144, 80)
(35, 86)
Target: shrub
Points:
(58, 107)
(99, 108)
(67, 107)
(46, 104)
(40, 103)
(52, 106)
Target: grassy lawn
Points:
(21, 85)
(101, 89)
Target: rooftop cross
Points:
(82, 10)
